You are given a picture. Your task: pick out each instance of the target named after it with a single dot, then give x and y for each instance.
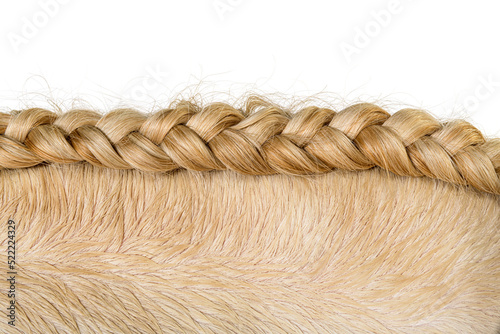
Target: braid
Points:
(255, 141)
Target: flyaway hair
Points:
(215, 219)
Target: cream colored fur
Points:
(127, 251)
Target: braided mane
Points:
(255, 141)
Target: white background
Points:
(441, 56)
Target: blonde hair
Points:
(223, 220)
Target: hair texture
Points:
(215, 219)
